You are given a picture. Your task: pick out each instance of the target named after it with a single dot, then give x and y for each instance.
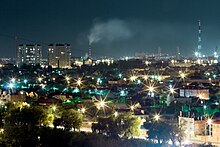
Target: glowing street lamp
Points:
(102, 103)
(146, 77)
(120, 75)
(83, 110)
(79, 82)
(133, 78)
(13, 80)
(39, 79)
(54, 108)
(182, 75)
(67, 78)
(151, 88)
(157, 117)
(25, 81)
(11, 85)
(1, 131)
(159, 78)
(132, 107)
(209, 121)
(116, 114)
(172, 90)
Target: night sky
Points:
(113, 27)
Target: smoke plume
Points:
(109, 31)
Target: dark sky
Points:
(116, 27)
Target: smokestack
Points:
(90, 52)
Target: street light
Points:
(116, 113)
(172, 90)
(39, 79)
(79, 82)
(182, 75)
(11, 85)
(54, 108)
(151, 88)
(102, 103)
(132, 107)
(67, 78)
(157, 117)
(209, 121)
(13, 80)
(25, 81)
(146, 77)
(83, 110)
(133, 78)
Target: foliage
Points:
(163, 132)
(20, 123)
(71, 119)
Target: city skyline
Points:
(114, 26)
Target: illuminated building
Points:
(30, 54)
(194, 91)
(59, 55)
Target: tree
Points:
(164, 132)
(21, 126)
(125, 125)
(72, 119)
(130, 124)
(158, 130)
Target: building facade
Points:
(194, 91)
(59, 55)
(30, 54)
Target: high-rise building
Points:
(30, 54)
(59, 55)
(198, 53)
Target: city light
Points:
(13, 80)
(54, 108)
(39, 79)
(146, 77)
(209, 121)
(182, 75)
(25, 81)
(151, 88)
(67, 78)
(120, 75)
(133, 78)
(79, 82)
(102, 103)
(1, 131)
(171, 89)
(132, 107)
(11, 85)
(157, 117)
(83, 110)
(116, 114)
(196, 54)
